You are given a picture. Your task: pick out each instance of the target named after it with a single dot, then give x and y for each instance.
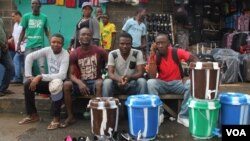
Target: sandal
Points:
(67, 123)
(28, 120)
(53, 125)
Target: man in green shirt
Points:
(34, 24)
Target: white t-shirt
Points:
(125, 67)
(57, 63)
(15, 34)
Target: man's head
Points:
(35, 6)
(87, 9)
(85, 37)
(162, 43)
(141, 13)
(16, 16)
(105, 19)
(57, 42)
(98, 11)
(125, 43)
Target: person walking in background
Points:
(58, 63)
(125, 70)
(137, 29)
(18, 59)
(85, 70)
(5, 60)
(108, 33)
(34, 24)
(169, 78)
(88, 22)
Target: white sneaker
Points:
(161, 119)
(183, 121)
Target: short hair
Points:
(140, 9)
(163, 34)
(126, 35)
(18, 13)
(59, 35)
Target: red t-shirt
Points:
(89, 63)
(169, 70)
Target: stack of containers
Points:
(235, 109)
(204, 105)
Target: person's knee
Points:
(67, 86)
(107, 82)
(98, 82)
(142, 81)
(151, 82)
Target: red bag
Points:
(11, 44)
(70, 3)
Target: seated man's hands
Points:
(84, 89)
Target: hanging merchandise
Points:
(51, 1)
(60, 2)
(95, 2)
(43, 1)
(81, 2)
(70, 3)
(103, 1)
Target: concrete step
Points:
(15, 103)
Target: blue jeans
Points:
(89, 83)
(110, 87)
(6, 61)
(156, 86)
(18, 61)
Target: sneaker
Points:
(161, 120)
(183, 121)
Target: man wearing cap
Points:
(89, 22)
(58, 62)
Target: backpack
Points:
(174, 57)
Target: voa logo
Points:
(236, 132)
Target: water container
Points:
(143, 115)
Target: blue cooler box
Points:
(234, 108)
(143, 115)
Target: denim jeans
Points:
(156, 86)
(18, 61)
(110, 87)
(6, 61)
(40, 61)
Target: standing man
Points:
(34, 24)
(5, 60)
(137, 29)
(86, 64)
(108, 33)
(169, 78)
(18, 59)
(58, 63)
(125, 70)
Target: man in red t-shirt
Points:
(86, 64)
(169, 78)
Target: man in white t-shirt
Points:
(58, 63)
(125, 70)
(18, 59)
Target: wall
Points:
(63, 19)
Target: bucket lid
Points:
(143, 100)
(233, 98)
(204, 65)
(103, 103)
(204, 104)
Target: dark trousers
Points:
(42, 87)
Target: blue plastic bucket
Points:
(234, 108)
(143, 115)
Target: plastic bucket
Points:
(143, 115)
(204, 80)
(104, 113)
(203, 118)
(234, 109)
